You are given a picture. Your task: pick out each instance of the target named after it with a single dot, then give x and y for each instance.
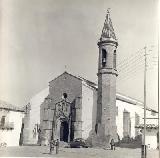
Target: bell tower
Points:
(107, 73)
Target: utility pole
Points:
(144, 147)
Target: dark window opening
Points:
(104, 57)
(21, 135)
(2, 120)
(65, 95)
(114, 59)
(96, 128)
(72, 132)
(116, 110)
(137, 120)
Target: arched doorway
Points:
(64, 131)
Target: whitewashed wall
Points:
(119, 119)
(35, 103)
(151, 137)
(11, 137)
(87, 109)
(94, 111)
(132, 109)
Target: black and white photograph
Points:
(79, 78)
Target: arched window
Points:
(114, 59)
(104, 57)
(65, 95)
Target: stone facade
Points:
(81, 97)
(72, 87)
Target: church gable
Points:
(65, 84)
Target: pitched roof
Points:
(128, 99)
(148, 126)
(119, 96)
(65, 72)
(89, 83)
(8, 106)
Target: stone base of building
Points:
(100, 139)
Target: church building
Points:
(74, 107)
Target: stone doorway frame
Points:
(59, 117)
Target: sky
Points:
(40, 39)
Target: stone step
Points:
(63, 144)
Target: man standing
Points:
(52, 143)
(57, 146)
(112, 144)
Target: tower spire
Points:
(108, 30)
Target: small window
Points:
(96, 128)
(153, 113)
(104, 57)
(116, 110)
(3, 120)
(64, 95)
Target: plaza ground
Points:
(43, 151)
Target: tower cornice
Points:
(109, 41)
(108, 71)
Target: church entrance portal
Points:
(64, 131)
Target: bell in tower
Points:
(107, 73)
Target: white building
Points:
(11, 124)
(32, 118)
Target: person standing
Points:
(52, 144)
(57, 146)
(112, 144)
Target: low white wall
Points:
(151, 138)
(151, 141)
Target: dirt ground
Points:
(43, 151)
